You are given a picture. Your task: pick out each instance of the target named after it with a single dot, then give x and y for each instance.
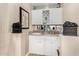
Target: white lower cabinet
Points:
(44, 45)
(36, 44)
(49, 48)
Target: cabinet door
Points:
(49, 46)
(36, 44)
(56, 16)
(37, 17)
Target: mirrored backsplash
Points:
(48, 28)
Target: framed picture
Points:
(24, 18)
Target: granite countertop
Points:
(41, 33)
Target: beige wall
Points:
(71, 12)
(4, 29)
(70, 44)
(12, 44)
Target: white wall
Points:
(9, 42)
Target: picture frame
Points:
(24, 18)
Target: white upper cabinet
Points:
(55, 16)
(37, 17)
